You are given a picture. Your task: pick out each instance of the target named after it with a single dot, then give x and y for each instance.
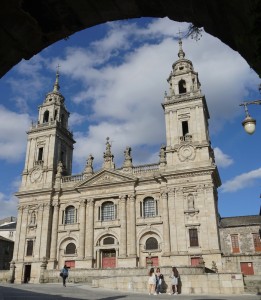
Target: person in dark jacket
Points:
(64, 274)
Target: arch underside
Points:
(29, 26)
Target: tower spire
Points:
(56, 86)
(181, 53)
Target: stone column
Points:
(42, 270)
(38, 231)
(89, 231)
(45, 236)
(18, 231)
(132, 222)
(11, 278)
(82, 221)
(22, 247)
(123, 232)
(53, 254)
(166, 231)
(172, 220)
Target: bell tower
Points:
(186, 116)
(49, 142)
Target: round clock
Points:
(186, 152)
(36, 175)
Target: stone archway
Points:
(29, 26)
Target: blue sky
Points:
(113, 77)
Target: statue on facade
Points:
(59, 169)
(128, 159)
(108, 156)
(162, 156)
(89, 166)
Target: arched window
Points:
(108, 211)
(149, 208)
(46, 117)
(70, 249)
(108, 241)
(182, 86)
(151, 244)
(70, 215)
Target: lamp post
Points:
(249, 123)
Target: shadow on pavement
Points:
(15, 293)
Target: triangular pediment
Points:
(105, 177)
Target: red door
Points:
(152, 261)
(247, 268)
(70, 264)
(195, 261)
(108, 259)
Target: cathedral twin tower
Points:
(160, 214)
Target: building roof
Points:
(8, 220)
(240, 221)
(5, 239)
(9, 226)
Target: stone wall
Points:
(193, 280)
(4, 275)
(190, 284)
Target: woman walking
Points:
(152, 282)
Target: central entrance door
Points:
(108, 259)
(27, 273)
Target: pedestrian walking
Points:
(64, 274)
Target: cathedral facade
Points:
(132, 216)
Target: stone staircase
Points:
(252, 284)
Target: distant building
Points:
(6, 253)
(240, 244)
(8, 228)
(7, 238)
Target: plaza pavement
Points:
(82, 291)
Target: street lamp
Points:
(249, 123)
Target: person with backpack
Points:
(64, 274)
(159, 283)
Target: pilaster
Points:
(53, 254)
(81, 251)
(123, 232)
(89, 238)
(132, 231)
(166, 231)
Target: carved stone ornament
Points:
(186, 152)
(36, 174)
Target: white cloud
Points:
(8, 206)
(242, 181)
(222, 160)
(13, 139)
(76, 119)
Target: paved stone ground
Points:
(80, 291)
